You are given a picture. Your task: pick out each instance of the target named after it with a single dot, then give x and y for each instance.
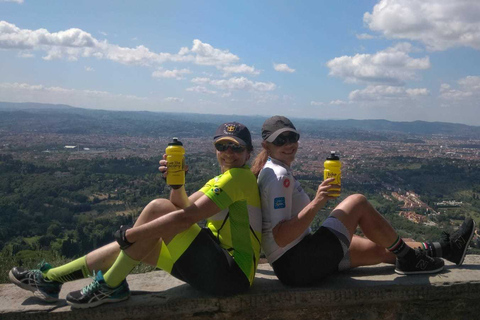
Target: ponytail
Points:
(259, 162)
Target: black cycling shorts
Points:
(312, 259)
(209, 268)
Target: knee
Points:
(158, 207)
(357, 199)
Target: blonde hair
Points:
(259, 161)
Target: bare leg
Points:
(104, 257)
(148, 249)
(365, 252)
(356, 211)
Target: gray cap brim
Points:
(274, 135)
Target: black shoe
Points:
(459, 241)
(97, 293)
(420, 263)
(33, 280)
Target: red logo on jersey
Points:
(286, 183)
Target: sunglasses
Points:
(281, 140)
(234, 147)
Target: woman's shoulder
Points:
(273, 171)
(243, 173)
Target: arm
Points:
(171, 224)
(180, 199)
(178, 196)
(287, 231)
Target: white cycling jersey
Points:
(282, 198)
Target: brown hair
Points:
(259, 162)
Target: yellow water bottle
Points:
(175, 164)
(333, 170)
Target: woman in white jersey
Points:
(300, 257)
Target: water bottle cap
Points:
(333, 156)
(175, 142)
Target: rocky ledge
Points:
(363, 293)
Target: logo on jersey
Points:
(217, 190)
(286, 183)
(279, 203)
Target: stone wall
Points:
(363, 293)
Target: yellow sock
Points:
(77, 269)
(119, 270)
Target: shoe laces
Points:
(37, 273)
(92, 286)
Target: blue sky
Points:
(400, 60)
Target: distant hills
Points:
(64, 119)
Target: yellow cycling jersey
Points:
(238, 227)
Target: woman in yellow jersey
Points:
(300, 257)
(220, 259)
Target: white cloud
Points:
(200, 80)
(73, 44)
(26, 54)
(89, 69)
(471, 83)
(183, 51)
(242, 83)
(460, 102)
(205, 54)
(242, 68)
(365, 36)
(174, 99)
(417, 92)
(177, 74)
(12, 37)
(17, 1)
(41, 88)
(200, 89)
(103, 33)
(468, 89)
(338, 102)
(282, 67)
(391, 66)
(317, 103)
(382, 93)
(439, 24)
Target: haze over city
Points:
(400, 60)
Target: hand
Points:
(323, 194)
(163, 167)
